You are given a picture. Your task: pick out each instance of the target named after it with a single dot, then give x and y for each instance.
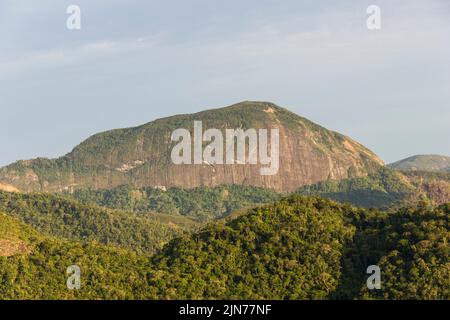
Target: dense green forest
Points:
(310, 248)
(385, 189)
(296, 248)
(416, 253)
(411, 248)
(69, 219)
(379, 190)
(38, 271)
(202, 203)
(289, 250)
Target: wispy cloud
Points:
(158, 58)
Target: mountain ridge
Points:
(423, 162)
(141, 155)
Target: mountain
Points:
(433, 163)
(141, 156)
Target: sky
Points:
(135, 61)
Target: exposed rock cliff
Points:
(140, 156)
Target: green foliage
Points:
(380, 189)
(411, 248)
(69, 219)
(309, 248)
(203, 203)
(289, 250)
(297, 248)
(416, 262)
(106, 272)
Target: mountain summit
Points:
(141, 156)
(430, 162)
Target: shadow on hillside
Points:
(366, 198)
(365, 249)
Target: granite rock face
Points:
(141, 156)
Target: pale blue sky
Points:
(135, 61)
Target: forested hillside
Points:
(434, 186)
(310, 248)
(289, 250)
(202, 203)
(382, 189)
(385, 188)
(411, 248)
(297, 248)
(415, 258)
(69, 219)
(39, 270)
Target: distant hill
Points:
(435, 163)
(385, 189)
(201, 203)
(140, 156)
(69, 219)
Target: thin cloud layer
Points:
(133, 62)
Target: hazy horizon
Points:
(134, 62)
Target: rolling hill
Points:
(385, 189)
(296, 248)
(310, 248)
(33, 266)
(433, 163)
(69, 219)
